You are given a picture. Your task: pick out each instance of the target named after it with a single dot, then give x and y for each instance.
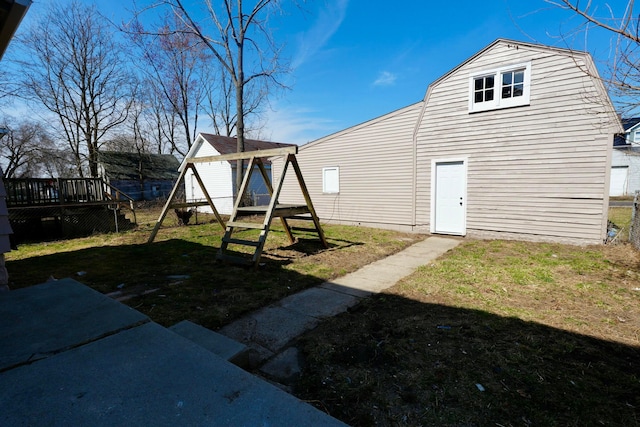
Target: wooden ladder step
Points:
(241, 242)
(308, 230)
(234, 259)
(301, 217)
(251, 225)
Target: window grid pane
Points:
(483, 89)
(512, 84)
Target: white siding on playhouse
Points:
(538, 171)
(216, 177)
(375, 161)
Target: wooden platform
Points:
(280, 210)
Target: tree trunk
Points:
(239, 82)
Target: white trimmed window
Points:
(500, 88)
(331, 180)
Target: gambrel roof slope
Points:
(589, 69)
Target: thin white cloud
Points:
(329, 20)
(296, 125)
(385, 78)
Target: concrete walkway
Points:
(269, 332)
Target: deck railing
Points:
(38, 192)
(27, 192)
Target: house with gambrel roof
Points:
(515, 142)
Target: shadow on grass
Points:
(312, 246)
(395, 361)
(171, 280)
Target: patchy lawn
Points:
(494, 333)
(176, 277)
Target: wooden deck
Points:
(52, 208)
(66, 192)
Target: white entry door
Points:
(449, 194)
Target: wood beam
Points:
(273, 152)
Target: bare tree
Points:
(240, 40)
(153, 121)
(75, 69)
(221, 104)
(622, 74)
(174, 60)
(55, 163)
(8, 86)
(21, 149)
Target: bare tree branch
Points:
(621, 73)
(75, 69)
(235, 33)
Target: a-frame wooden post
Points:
(169, 204)
(307, 199)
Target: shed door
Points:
(619, 179)
(450, 193)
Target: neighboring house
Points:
(142, 176)
(513, 143)
(219, 177)
(625, 160)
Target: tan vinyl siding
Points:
(376, 172)
(536, 171)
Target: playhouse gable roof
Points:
(228, 144)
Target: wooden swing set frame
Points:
(284, 211)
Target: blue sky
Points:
(354, 60)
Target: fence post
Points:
(633, 226)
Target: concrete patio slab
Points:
(45, 319)
(145, 376)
